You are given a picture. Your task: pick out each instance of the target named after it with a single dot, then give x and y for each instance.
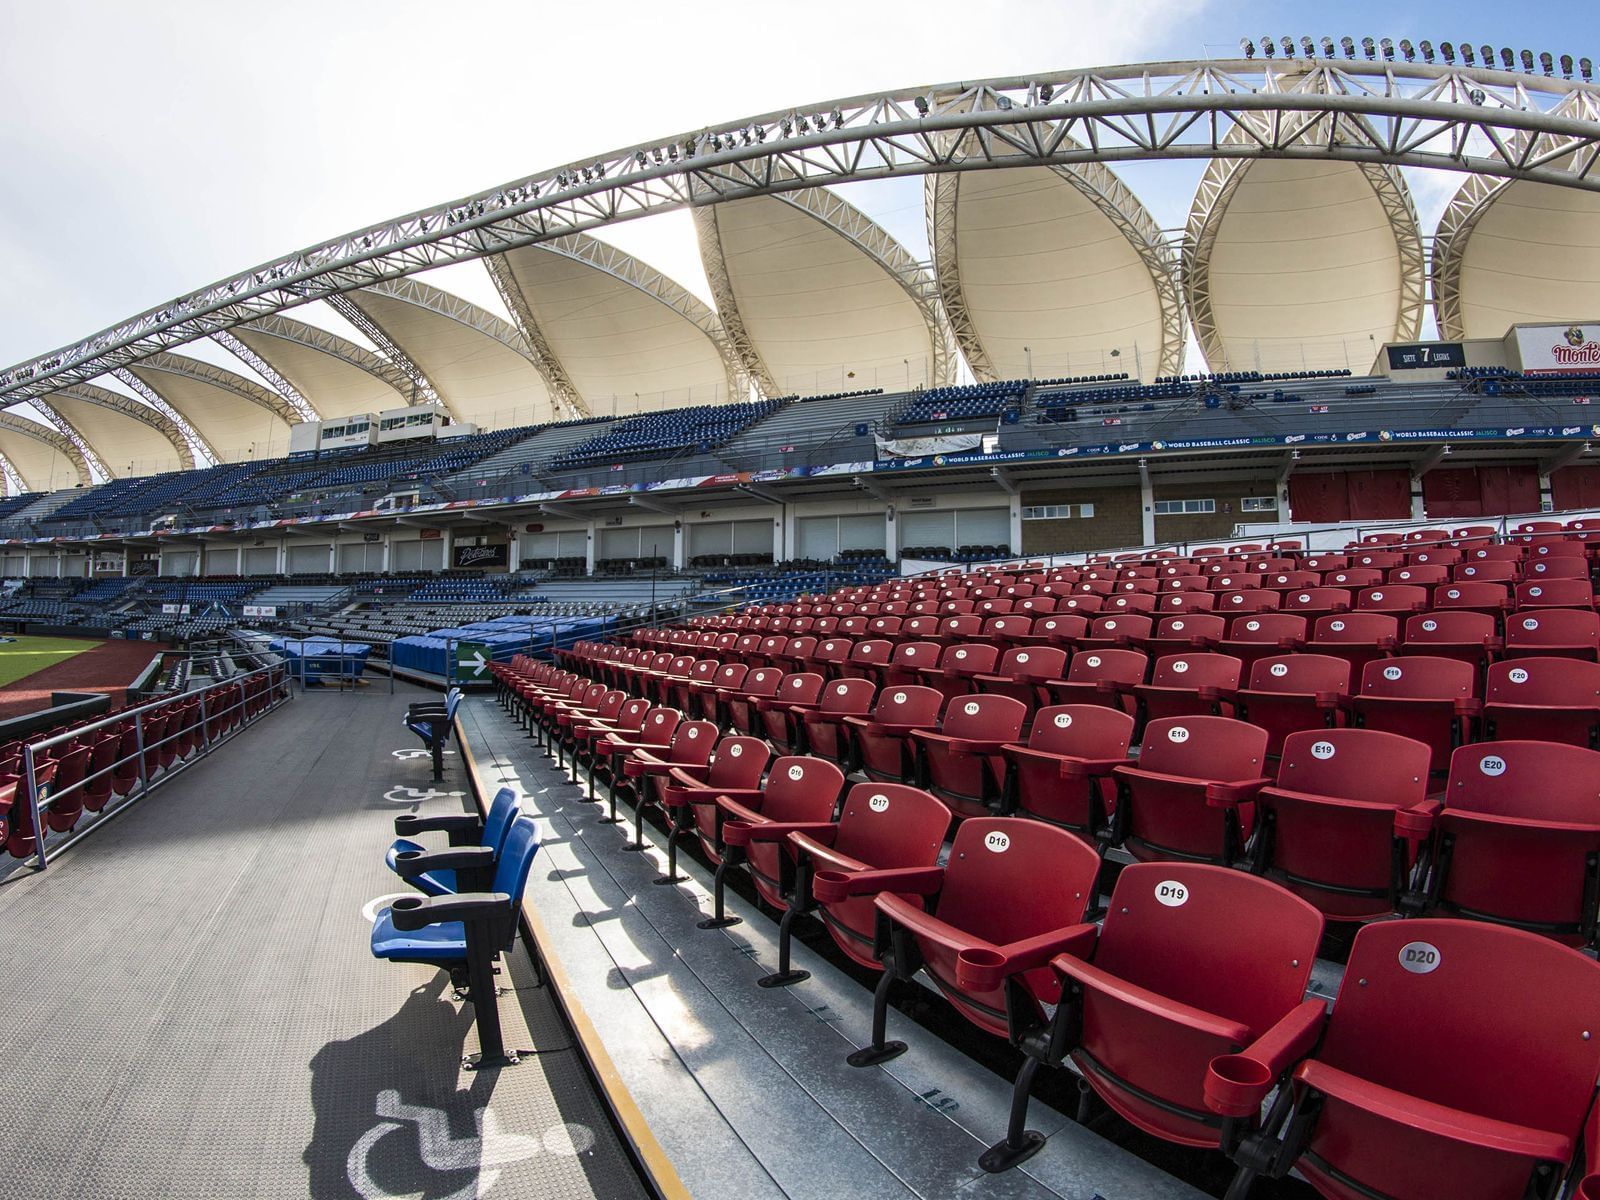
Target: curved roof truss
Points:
(563, 392)
(228, 381)
(300, 333)
(71, 432)
(126, 406)
(158, 402)
(1459, 118)
(306, 410)
(1477, 195)
(1096, 183)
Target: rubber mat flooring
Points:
(195, 1012)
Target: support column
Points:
(1419, 510)
(591, 535)
(1547, 499)
(680, 542)
(283, 556)
(1147, 505)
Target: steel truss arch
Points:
(563, 393)
(161, 405)
(16, 485)
(228, 381)
(311, 337)
(1097, 184)
(1473, 200)
(1224, 175)
(418, 385)
(743, 346)
(1473, 120)
(305, 410)
(73, 434)
(56, 440)
(116, 402)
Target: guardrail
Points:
(157, 741)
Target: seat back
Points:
(1531, 781)
(801, 788)
(1115, 666)
(981, 718)
(516, 859)
(1530, 630)
(1268, 627)
(873, 652)
(1033, 662)
(1082, 731)
(1120, 625)
(1190, 627)
(659, 725)
(1556, 593)
(848, 696)
(1392, 597)
(908, 705)
(1449, 628)
(692, 743)
(1418, 677)
(1547, 682)
(1217, 748)
(738, 763)
(1355, 629)
(831, 651)
(891, 825)
(502, 812)
(730, 675)
(1355, 764)
(803, 688)
(1318, 599)
(1174, 928)
(1487, 1042)
(1573, 566)
(972, 658)
(1195, 671)
(1009, 878)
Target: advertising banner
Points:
(260, 610)
(1559, 349)
(955, 443)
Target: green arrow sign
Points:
(472, 662)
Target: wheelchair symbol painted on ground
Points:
(486, 1155)
(404, 755)
(411, 795)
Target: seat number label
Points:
(997, 842)
(1172, 893)
(1419, 957)
(879, 803)
(1492, 765)
(1322, 750)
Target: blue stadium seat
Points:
(475, 847)
(432, 723)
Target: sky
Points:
(151, 149)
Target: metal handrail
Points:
(258, 692)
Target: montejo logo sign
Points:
(1555, 349)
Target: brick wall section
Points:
(1211, 526)
(1115, 521)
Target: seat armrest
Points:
(410, 913)
(742, 833)
(1213, 693)
(1416, 823)
(984, 970)
(411, 824)
(1468, 706)
(1220, 794)
(957, 745)
(1236, 1085)
(1332, 700)
(639, 765)
(408, 864)
(830, 886)
(1079, 768)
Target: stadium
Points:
(1075, 707)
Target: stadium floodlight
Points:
(1385, 45)
(1248, 47)
(1267, 47)
(1327, 47)
(1487, 54)
(1527, 60)
(1287, 46)
(921, 103)
(1407, 50)
(1308, 47)
(1586, 69)
(1348, 46)
(1046, 90)
(1566, 66)
(1508, 58)
(1546, 63)
(1448, 50)
(1369, 48)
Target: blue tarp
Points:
(315, 658)
(432, 652)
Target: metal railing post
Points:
(138, 741)
(205, 724)
(32, 785)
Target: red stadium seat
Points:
(1294, 692)
(1430, 700)
(1396, 598)
(1165, 986)
(887, 838)
(1555, 593)
(828, 656)
(1326, 828)
(736, 709)
(775, 715)
(1063, 775)
(1023, 673)
(1192, 793)
(958, 666)
(907, 660)
(1116, 631)
(1262, 635)
(822, 728)
(1543, 699)
(1562, 632)
(1188, 685)
(881, 743)
(1440, 1073)
(1467, 636)
(650, 767)
(1104, 677)
(1012, 898)
(962, 763)
(1517, 838)
(865, 659)
(704, 695)
(689, 793)
(1358, 638)
(1317, 602)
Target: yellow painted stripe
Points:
(663, 1177)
